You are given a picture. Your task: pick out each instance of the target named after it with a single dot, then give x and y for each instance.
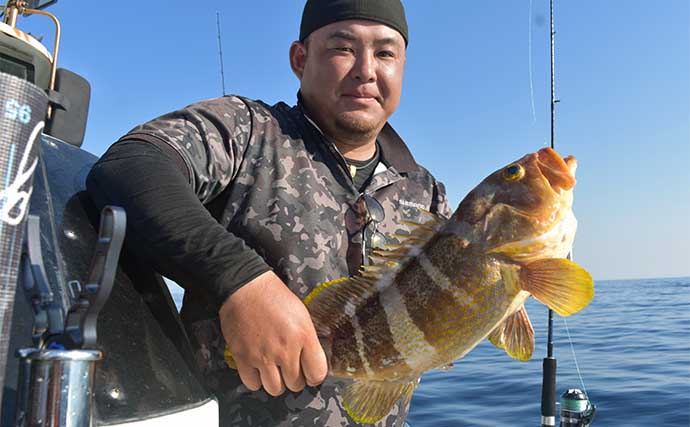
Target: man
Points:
(250, 206)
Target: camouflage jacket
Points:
(269, 176)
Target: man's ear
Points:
(298, 57)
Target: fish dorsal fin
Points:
(331, 298)
(515, 335)
(368, 401)
(434, 221)
(394, 255)
(420, 231)
(561, 284)
(332, 302)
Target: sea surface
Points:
(632, 346)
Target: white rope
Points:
(577, 366)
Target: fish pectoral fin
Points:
(515, 335)
(369, 401)
(561, 284)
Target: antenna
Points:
(220, 53)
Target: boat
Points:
(143, 372)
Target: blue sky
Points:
(623, 78)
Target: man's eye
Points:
(344, 49)
(387, 54)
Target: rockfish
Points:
(430, 299)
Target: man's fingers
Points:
(271, 380)
(249, 375)
(270, 323)
(292, 374)
(313, 361)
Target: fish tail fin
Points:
(368, 401)
(559, 283)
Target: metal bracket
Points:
(80, 325)
(76, 329)
(48, 313)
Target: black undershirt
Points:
(167, 226)
(364, 169)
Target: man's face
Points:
(351, 76)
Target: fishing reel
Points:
(576, 409)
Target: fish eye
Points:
(513, 172)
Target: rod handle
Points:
(548, 393)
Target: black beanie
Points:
(319, 13)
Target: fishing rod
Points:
(549, 365)
(576, 409)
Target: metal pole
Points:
(548, 387)
(56, 49)
(11, 13)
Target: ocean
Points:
(632, 346)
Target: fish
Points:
(428, 300)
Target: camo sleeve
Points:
(168, 225)
(210, 136)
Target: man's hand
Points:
(271, 337)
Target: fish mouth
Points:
(558, 171)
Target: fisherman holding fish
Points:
(250, 207)
(323, 272)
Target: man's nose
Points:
(365, 68)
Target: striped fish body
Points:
(435, 310)
(432, 298)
